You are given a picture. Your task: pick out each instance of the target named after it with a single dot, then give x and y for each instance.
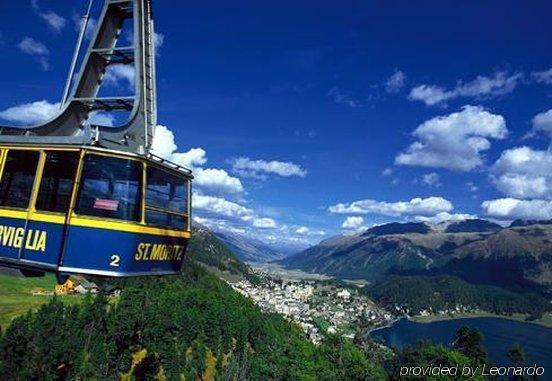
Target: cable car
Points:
(82, 198)
(92, 211)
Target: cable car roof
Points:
(158, 160)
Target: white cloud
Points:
(90, 27)
(445, 216)
(342, 98)
(302, 230)
(32, 47)
(216, 180)
(429, 206)
(40, 111)
(37, 49)
(116, 74)
(500, 83)
(395, 82)
(212, 180)
(163, 145)
(278, 237)
(219, 206)
(212, 185)
(523, 172)
(55, 21)
(543, 122)
(482, 86)
(201, 220)
(511, 208)
(220, 225)
(101, 119)
(264, 223)
(258, 168)
(30, 113)
(544, 76)
(191, 158)
(472, 187)
(387, 172)
(352, 222)
(431, 179)
(305, 231)
(158, 40)
(454, 141)
(429, 94)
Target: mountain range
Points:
(517, 257)
(249, 249)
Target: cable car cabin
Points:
(91, 211)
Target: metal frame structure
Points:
(68, 126)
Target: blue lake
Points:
(499, 334)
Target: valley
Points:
(319, 307)
(321, 314)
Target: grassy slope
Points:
(16, 298)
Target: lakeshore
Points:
(499, 335)
(545, 321)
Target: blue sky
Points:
(308, 119)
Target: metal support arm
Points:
(136, 134)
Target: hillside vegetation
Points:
(16, 296)
(206, 248)
(191, 327)
(178, 327)
(440, 293)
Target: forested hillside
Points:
(440, 293)
(206, 248)
(178, 327)
(189, 327)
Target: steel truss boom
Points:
(134, 135)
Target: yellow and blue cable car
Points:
(92, 211)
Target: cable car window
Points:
(154, 217)
(18, 177)
(166, 199)
(165, 190)
(110, 188)
(57, 180)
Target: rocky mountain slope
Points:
(206, 248)
(479, 251)
(249, 250)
